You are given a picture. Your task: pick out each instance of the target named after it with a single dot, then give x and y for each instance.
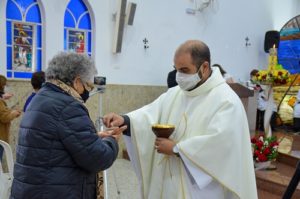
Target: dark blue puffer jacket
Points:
(59, 152)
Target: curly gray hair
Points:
(66, 66)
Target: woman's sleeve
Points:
(80, 139)
(5, 113)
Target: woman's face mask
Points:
(88, 87)
(85, 95)
(187, 81)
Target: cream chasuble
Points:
(212, 135)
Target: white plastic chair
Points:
(6, 178)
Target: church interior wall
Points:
(165, 24)
(223, 26)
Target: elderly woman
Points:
(59, 151)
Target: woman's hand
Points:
(15, 113)
(115, 132)
(7, 96)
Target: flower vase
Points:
(262, 165)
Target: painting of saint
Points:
(77, 41)
(22, 47)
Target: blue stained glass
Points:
(12, 11)
(39, 36)
(89, 42)
(39, 60)
(9, 74)
(8, 33)
(69, 20)
(288, 55)
(23, 75)
(9, 57)
(77, 7)
(85, 22)
(34, 15)
(65, 39)
(25, 3)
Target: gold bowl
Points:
(163, 130)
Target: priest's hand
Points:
(164, 145)
(113, 120)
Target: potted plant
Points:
(265, 150)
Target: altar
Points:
(248, 99)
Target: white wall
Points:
(283, 11)
(3, 37)
(54, 19)
(165, 24)
(224, 27)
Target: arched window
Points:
(289, 46)
(77, 28)
(23, 38)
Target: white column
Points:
(269, 111)
(103, 28)
(53, 27)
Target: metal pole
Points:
(293, 183)
(105, 184)
(100, 127)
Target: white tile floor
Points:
(121, 178)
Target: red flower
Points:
(267, 151)
(259, 144)
(253, 140)
(262, 158)
(264, 148)
(284, 81)
(256, 153)
(280, 73)
(274, 144)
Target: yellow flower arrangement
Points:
(273, 77)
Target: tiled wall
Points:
(116, 98)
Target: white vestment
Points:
(212, 135)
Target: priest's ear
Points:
(206, 66)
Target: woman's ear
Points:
(76, 83)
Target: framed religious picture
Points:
(76, 41)
(23, 48)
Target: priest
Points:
(209, 153)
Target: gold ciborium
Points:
(163, 130)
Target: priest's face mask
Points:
(189, 76)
